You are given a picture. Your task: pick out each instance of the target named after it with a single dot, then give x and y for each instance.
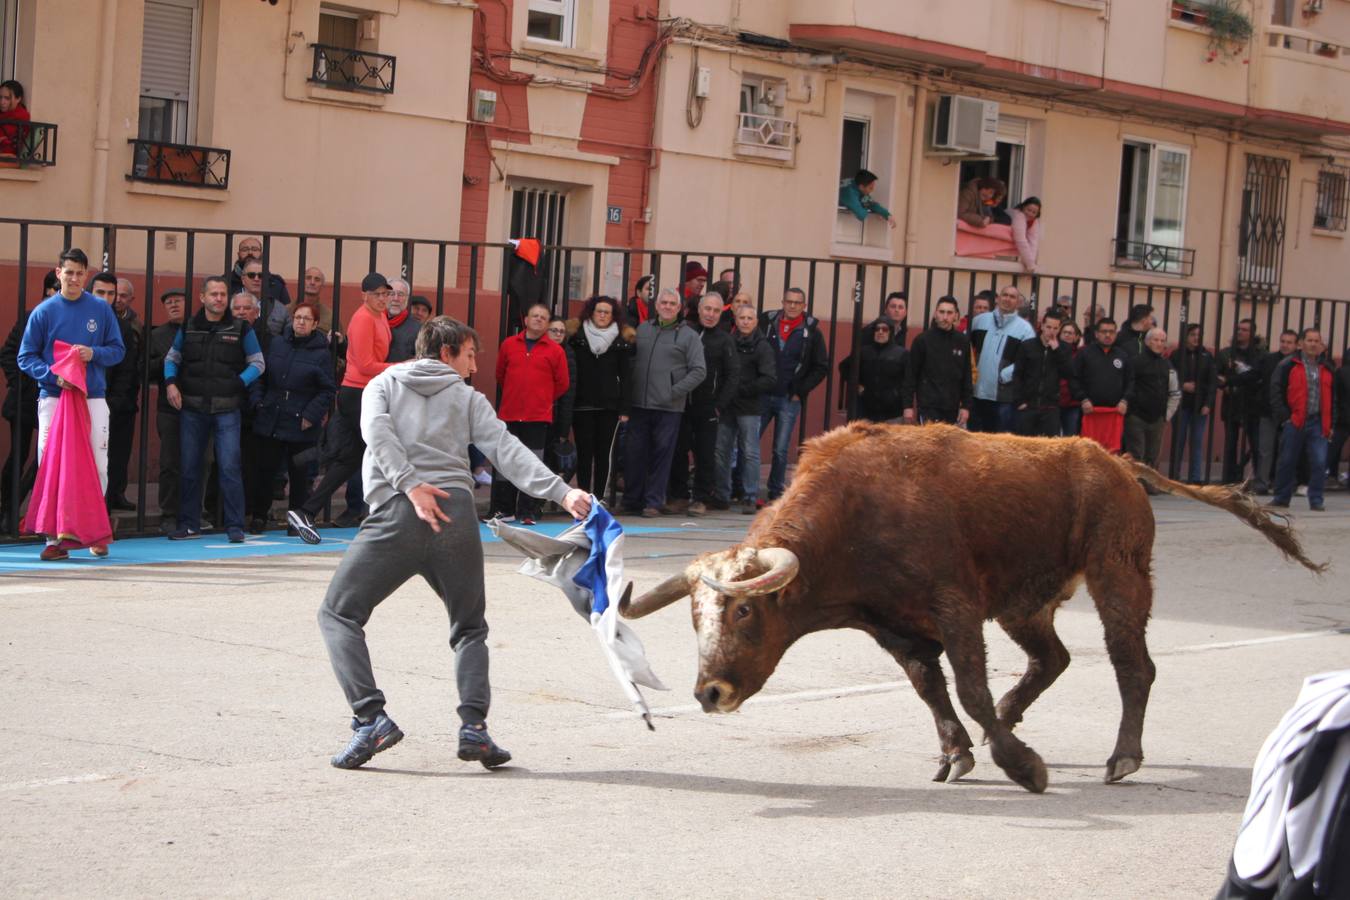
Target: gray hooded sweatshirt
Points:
(418, 419)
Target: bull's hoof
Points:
(1118, 767)
(955, 766)
(1020, 762)
(1031, 775)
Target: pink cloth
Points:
(987, 242)
(67, 497)
(1026, 238)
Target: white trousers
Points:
(98, 432)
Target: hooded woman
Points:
(881, 373)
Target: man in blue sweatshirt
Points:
(89, 324)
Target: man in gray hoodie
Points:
(418, 419)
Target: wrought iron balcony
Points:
(352, 70)
(25, 144)
(767, 136)
(156, 161)
(1153, 257)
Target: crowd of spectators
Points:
(664, 398)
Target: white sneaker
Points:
(1301, 491)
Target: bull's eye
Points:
(743, 611)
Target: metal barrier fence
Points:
(466, 279)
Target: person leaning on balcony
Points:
(13, 115)
(977, 204)
(1026, 230)
(855, 195)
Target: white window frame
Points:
(563, 9)
(1156, 147)
(190, 119)
(9, 37)
(1018, 137)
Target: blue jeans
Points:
(993, 416)
(196, 429)
(742, 434)
(1293, 441)
(783, 412)
(1070, 418)
(1188, 432)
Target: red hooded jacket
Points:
(531, 379)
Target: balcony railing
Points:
(1299, 41)
(767, 136)
(1153, 257)
(25, 144)
(156, 161)
(352, 70)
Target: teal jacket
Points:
(858, 203)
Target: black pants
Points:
(121, 432)
(677, 484)
(703, 439)
(170, 461)
(20, 445)
(506, 500)
(1038, 421)
(1237, 431)
(256, 474)
(351, 447)
(271, 455)
(1339, 435)
(594, 431)
(930, 414)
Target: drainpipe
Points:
(912, 182)
(1228, 227)
(103, 124)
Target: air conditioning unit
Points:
(965, 125)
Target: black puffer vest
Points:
(213, 357)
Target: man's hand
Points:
(306, 425)
(1021, 407)
(1204, 410)
(1121, 407)
(623, 418)
(963, 417)
(423, 499)
(62, 383)
(1188, 387)
(1054, 344)
(908, 415)
(1087, 407)
(890, 223)
(175, 396)
(86, 353)
(578, 503)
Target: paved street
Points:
(172, 724)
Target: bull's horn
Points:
(783, 565)
(664, 594)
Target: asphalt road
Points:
(172, 722)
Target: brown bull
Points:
(917, 536)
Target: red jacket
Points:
(531, 380)
(1296, 394)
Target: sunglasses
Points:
(252, 274)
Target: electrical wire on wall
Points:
(693, 107)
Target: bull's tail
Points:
(1274, 526)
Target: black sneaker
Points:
(476, 744)
(368, 739)
(302, 524)
(350, 518)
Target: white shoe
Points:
(482, 478)
(1301, 491)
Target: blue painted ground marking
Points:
(23, 558)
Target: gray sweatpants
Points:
(392, 546)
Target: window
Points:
(551, 20)
(9, 37)
(866, 141)
(761, 129)
(1152, 203)
(340, 29)
(853, 149)
(168, 70)
(1008, 165)
(1332, 200)
(541, 213)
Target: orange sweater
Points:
(368, 339)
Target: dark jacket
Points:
(1131, 342)
(124, 379)
(299, 385)
(1260, 399)
(1342, 394)
(803, 361)
(16, 380)
(403, 338)
(1241, 370)
(667, 366)
(213, 358)
(561, 426)
(1289, 393)
(526, 283)
(757, 373)
(161, 339)
(881, 378)
(1148, 397)
(275, 292)
(1198, 366)
(1104, 377)
(719, 387)
(937, 372)
(1038, 371)
(602, 381)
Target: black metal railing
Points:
(1154, 258)
(186, 164)
(352, 70)
(465, 279)
(27, 144)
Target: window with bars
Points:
(551, 20)
(541, 213)
(1333, 199)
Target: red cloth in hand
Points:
(1105, 426)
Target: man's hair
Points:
(986, 294)
(556, 318)
(1139, 311)
(1250, 322)
(864, 178)
(538, 304)
(104, 278)
(75, 255)
(1312, 329)
(713, 295)
(50, 282)
(1053, 313)
(217, 278)
(668, 292)
(172, 292)
(1104, 320)
(894, 294)
(247, 296)
(796, 290)
(947, 298)
(1148, 334)
(253, 261)
(443, 331)
(407, 288)
(1293, 332)
(250, 237)
(1194, 326)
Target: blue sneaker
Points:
(369, 738)
(476, 744)
(236, 535)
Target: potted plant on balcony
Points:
(1194, 11)
(1229, 29)
(1331, 51)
